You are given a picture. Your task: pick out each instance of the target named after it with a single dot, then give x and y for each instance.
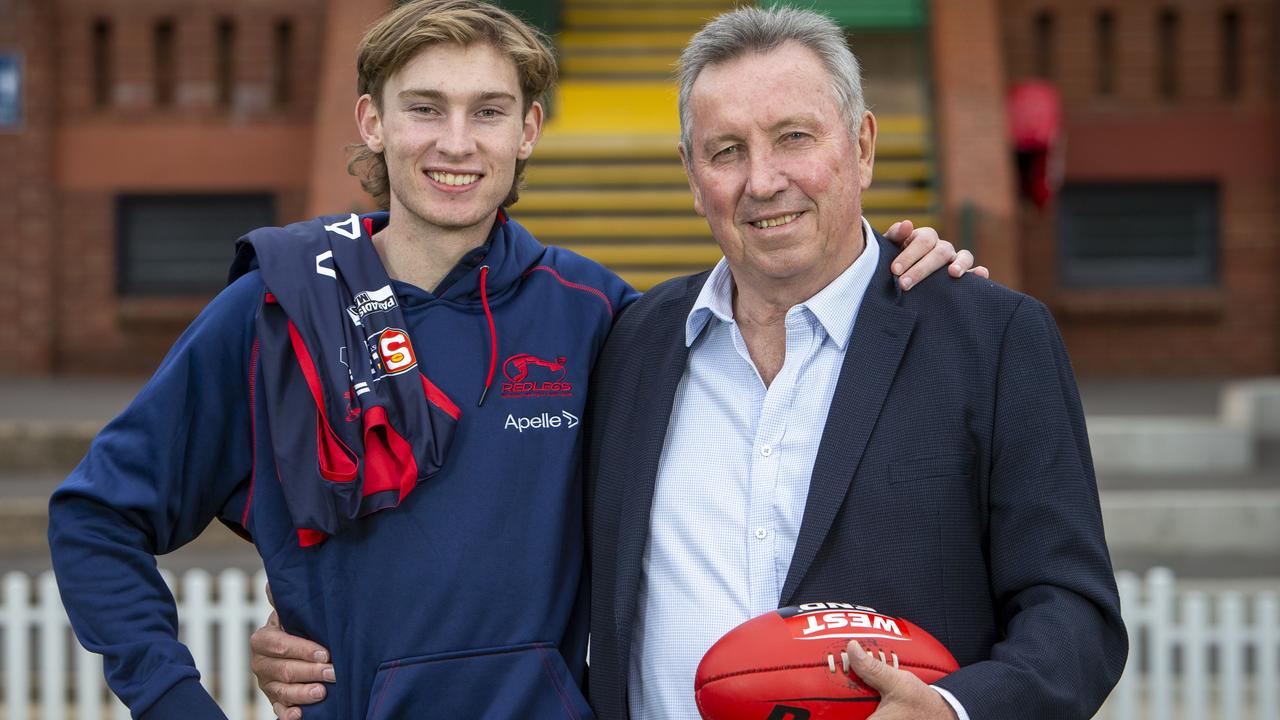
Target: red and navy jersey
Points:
(466, 600)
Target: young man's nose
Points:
(457, 137)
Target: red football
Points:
(789, 664)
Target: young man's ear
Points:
(369, 122)
(531, 132)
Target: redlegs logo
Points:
(532, 376)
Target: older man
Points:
(791, 427)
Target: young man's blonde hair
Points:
(399, 36)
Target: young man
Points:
(339, 403)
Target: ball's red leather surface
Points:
(776, 666)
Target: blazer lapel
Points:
(871, 361)
(662, 375)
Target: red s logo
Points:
(393, 351)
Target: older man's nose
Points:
(765, 179)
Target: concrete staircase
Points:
(1190, 474)
(606, 178)
(1208, 521)
(45, 429)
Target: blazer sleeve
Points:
(1062, 644)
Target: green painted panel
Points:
(865, 14)
(542, 14)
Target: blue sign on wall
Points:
(10, 89)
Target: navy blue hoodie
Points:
(466, 600)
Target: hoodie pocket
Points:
(518, 681)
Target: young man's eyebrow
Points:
(427, 94)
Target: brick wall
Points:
(1136, 131)
(969, 103)
(27, 244)
(80, 151)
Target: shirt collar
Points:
(835, 306)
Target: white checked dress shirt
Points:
(733, 480)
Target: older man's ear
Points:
(923, 252)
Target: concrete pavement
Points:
(1185, 481)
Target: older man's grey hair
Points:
(761, 30)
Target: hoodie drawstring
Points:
(493, 333)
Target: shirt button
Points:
(761, 533)
(766, 450)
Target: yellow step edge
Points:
(603, 64)
(643, 280)
(901, 146)
(547, 201)
(585, 228)
(585, 107)
(693, 18)
(673, 40)
(902, 171)
(602, 147)
(654, 146)
(543, 173)
(703, 254)
(588, 4)
(596, 174)
(564, 230)
(901, 124)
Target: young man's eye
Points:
(489, 113)
(424, 110)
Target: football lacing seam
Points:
(844, 660)
(798, 666)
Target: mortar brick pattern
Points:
(1137, 134)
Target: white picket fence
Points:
(216, 619)
(1193, 655)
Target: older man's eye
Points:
(726, 153)
(796, 135)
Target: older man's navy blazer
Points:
(953, 487)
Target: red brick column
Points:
(27, 242)
(332, 190)
(973, 154)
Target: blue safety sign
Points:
(10, 89)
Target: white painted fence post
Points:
(261, 609)
(234, 647)
(89, 683)
(195, 619)
(1160, 603)
(1124, 696)
(1195, 654)
(17, 657)
(53, 650)
(1266, 613)
(1231, 657)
